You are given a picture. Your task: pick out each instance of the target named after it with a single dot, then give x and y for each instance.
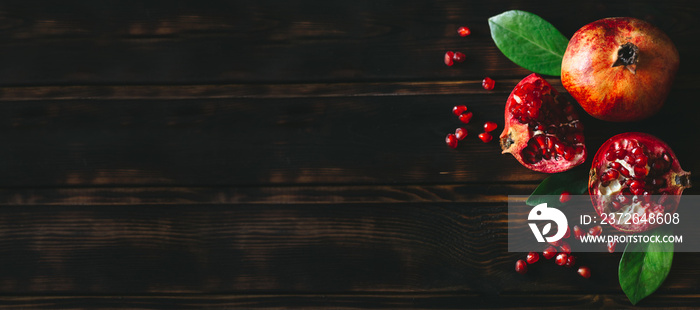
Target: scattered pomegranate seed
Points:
(565, 248)
(490, 126)
(521, 266)
(595, 230)
(570, 261)
(565, 196)
(485, 136)
(584, 272)
(532, 257)
(488, 83)
(460, 133)
(459, 109)
(464, 31)
(549, 252)
(578, 232)
(448, 58)
(611, 246)
(561, 259)
(451, 141)
(459, 57)
(466, 117)
(568, 233)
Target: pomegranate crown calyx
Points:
(627, 56)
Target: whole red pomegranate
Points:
(542, 129)
(619, 69)
(636, 174)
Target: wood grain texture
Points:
(307, 140)
(134, 42)
(303, 248)
(275, 154)
(353, 301)
(310, 248)
(313, 194)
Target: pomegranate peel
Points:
(619, 69)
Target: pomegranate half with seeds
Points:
(636, 174)
(542, 129)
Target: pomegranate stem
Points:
(627, 56)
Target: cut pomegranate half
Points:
(542, 129)
(637, 174)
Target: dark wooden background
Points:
(286, 154)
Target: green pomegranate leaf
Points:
(644, 266)
(529, 41)
(574, 181)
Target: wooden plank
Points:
(354, 301)
(288, 90)
(186, 42)
(327, 195)
(258, 141)
(304, 248)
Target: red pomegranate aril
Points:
(641, 161)
(578, 232)
(459, 57)
(570, 261)
(463, 31)
(532, 257)
(637, 151)
(610, 175)
(616, 205)
(658, 182)
(584, 272)
(565, 197)
(620, 154)
(568, 233)
(637, 191)
(625, 172)
(561, 259)
(466, 117)
(521, 266)
(611, 246)
(610, 157)
(460, 133)
(448, 58)
(488, 83)
(485, 136)
(615, 165)
(549, 252)
(640, 171)
(459, 110)
(565, 248)
(595, 230)
(490, 126)
(451, 140)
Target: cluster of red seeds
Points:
(456, 57)
(638, 172)
(560, 251)
(550, 139)
(465, 117)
